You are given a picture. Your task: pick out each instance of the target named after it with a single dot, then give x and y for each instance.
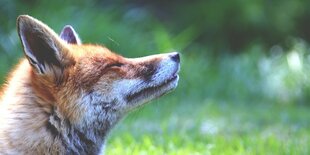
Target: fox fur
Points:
(64, 96)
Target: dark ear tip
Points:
(24, 21)
(67, 29)
(23, 18)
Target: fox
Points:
(64, 96)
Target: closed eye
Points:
(115, 65)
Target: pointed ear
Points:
(46, 52)
(69, 35)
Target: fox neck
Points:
(77, 139)
(87, 136)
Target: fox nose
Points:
(175, 57)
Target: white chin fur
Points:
(147, 96)
(164, 80)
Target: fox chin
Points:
(64, 96)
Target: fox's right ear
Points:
(69, 35)
(46, 52)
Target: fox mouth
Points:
(152, 92)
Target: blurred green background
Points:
(244, 83)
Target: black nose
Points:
(175, 57)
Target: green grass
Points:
(213, 128)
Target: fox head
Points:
(88, 85)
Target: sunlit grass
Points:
(210, 128)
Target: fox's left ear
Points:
(45, 51)
(69, 35)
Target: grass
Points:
(213, 128)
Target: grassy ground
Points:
(184, 127)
